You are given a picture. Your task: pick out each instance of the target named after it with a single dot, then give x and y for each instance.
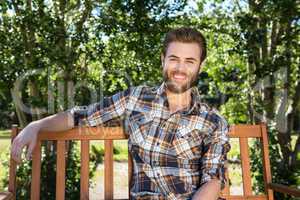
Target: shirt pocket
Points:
(188, 143)
(139, 124)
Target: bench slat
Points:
(84, 170)
(86, 133)
(266, 161)
(117, 133)
(244, 149)
(241, 197)
(36, 172)
(108, 170)
(245, 131)
(129, 172)
(13, 166)
(285, 189)
(60, 170)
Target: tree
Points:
(272, 41)
(261, 40)
(52, 48)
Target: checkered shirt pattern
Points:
(173, 153)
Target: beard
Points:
(175, 87)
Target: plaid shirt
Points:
(173, 153)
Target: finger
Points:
(30, 150)
(15, 157)
(17, 151)
(14, 149)
(18, 154)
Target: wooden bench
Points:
(108, 134)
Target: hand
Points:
(210, 190)
(27, 137)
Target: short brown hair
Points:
(185, 35)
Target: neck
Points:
(178, 101)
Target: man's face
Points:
(181, 66)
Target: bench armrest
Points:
(285, 189)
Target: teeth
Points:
(177, 76)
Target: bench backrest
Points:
(108, 134)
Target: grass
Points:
(4, 149)
(120, 148)
(4, 145)
(5, 133)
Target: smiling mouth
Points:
(179, 76)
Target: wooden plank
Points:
(13, 166)
(108, 170)
(60, 170)
(85, 133)
(129, 172)
(266, 162)
(117, 133)
(285, 189)
(245, 166)
(245, 131)
(241, 197)
(36, 172)
(84, 170)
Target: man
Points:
(177, 143)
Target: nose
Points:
(180, 65)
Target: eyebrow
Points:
(172, 56)
(190, 58)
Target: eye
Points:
(190, 62)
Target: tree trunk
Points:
(20, 114)
(33, 92)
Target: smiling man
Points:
(178, 144)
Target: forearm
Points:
(28, 135)
(57, 122)
(208, 191)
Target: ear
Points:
(201, 66)
(162, 59)
(200, 69)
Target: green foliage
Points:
(280, 174)
(97, 154)
(253, 68)
(104, 47)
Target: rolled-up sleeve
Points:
(216, 147)
(113, 107)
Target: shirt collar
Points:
(162, 97)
